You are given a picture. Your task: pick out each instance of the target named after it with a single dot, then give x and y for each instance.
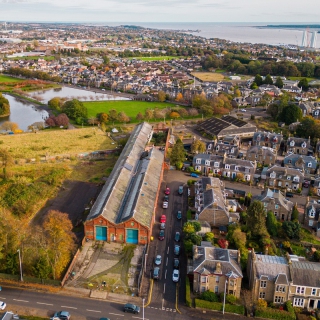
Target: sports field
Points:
(4, 78)
(160, 58)
(209, 76)
(129, 107)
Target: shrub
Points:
(219, 306)
(231, 299)
(274, 314)
(262, 304)
(188, 298)
(209, 296)
(289, 306)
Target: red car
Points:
(167, 191)
(163, 219)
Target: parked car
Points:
(161, 235)
(166, 198)
(162, 226)
(289, 194)
(176, 263)
(104, 319)
(156, 273)
(177, 236)
(163, 219)
(194, 175)
(176, 250)
(175, 275)
(167, 191)
(306, 184)
(2, 305)
(132, 308)
(243, 110)
(180, 190)
(165, 205)
(62, 315)
(158, 260)
(179, 215)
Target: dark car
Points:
(179, 215)
(176, 250)
(180, 190)
(132, 308)
(161, 235)
(177, 236)
(62, 315)
(306, 184)
(156, 273)
(176, 263)
(289, 194)
(166, 198)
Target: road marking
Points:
(2, 298)
(162, 304)
(167, 261)
(47, 304)
(117, 314)
(139, 318)
(69, 307)
(20, 300)
(168, 250)
(164, 288)
(93, 310)
(165, 275)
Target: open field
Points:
(129, 107)
(209, 76)
(48, 58)
(53, 143)
(299, 78)
(160, 58)
(4, 78)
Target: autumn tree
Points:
(113, 115)
(148, 115)
(55, 103)
(103, 117)
(174, 115)
(198, 146)
(139, 116)
(179, 97)
(4, 105)
(61, 241)
(256, 220)
(161, 96)
(122, 117)
(9, 126)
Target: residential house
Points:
(216, 269)
(282, 177)
(227, 167)
(293, 126)
(304, 163)
(312, 215)
(263, 155)
(299, 146)
(267, 139)
(318, 148)
(292, 89)
(316, 185)
(210, 203)
(275, 201)
(316, 113)
(229, 150)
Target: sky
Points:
(283, 11)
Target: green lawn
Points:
(4, 78)
(160, 58)
(129, 107)
(299, 78)
(48, 58)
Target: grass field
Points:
(48, 58)
(4, 78)
(299, 78)
(52, 143)
(129, 107)
(160, 58)
(208, 76)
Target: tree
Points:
(178, 153)
(148, 114)
(256, 220)
(292, 229)
(62, 120)
(161, 96)
(295, 213)
(75, 109)
(254, 86)
(103, 117)
(61, 241)
(55, 103)
(237, 92)
(209, 236)
(4, 105)
(272, 224)
(268, 79)
(179, 97)
(113, 115)
(258, 80)
(304, 84)
(188, 229)
(174, 115)
(139, 116)
(198, 146)
(9, 126)
(279, 82)
(291, 113)
(122, 117)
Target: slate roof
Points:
(267, 137)
(131, 188)
(206, 259)
(305, 273)
(278, 198)
(300, 161)
(265, 151)
(282, 172)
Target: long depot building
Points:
(125, 208)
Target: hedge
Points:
(219, 306)
(277, 314)
(188, 298)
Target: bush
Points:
(188, 298)
(269, 313)
(262, 304)
(289, 306)
(231, 299)
(209, 296)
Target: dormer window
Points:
(296, 179)
(312, 213)
(288, 177)
(236, 168)
(207, 162)
(292, 143)
(227, 166)
(259, 137)
(209, 146)
(303, 145)
(217, 148)
(232, 150)
(216, 164)
(272, 175)
(316, 113)
(289, 161)
(309, 164)
(198, 161)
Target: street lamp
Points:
(224, 296)
(21, 278)
(143, 309)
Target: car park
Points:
(176, 263)
(165, 205)
(167, 191)
(194, 175)
(176, 250)
(180, 190)
(175, 275)
(156, 273)
(161, 235)
(163, 219)
(179, 215)
(2, 305)
(162, 226)
(158, 260)
(62, 315)
(132, 308)
(177, 236)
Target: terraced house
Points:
(124, 209)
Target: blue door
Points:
(132, 236)
(101, 233)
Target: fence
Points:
(143, 262)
